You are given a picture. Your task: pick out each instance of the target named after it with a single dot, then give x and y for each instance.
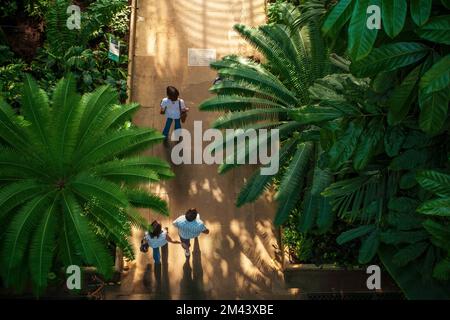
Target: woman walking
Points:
(175, 110)
(158, 238)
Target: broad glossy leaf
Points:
(337, 17)
(437, 77)
(360, 38)
(400, 101)
(354, 233)
(437, 207)
(369, 247)
(436, 30)
(420, 10)
(393, 16)
(436, 182)
(389, 57)
(434, 108)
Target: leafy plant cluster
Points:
(70, 181)
(364, 127)
(84, 53)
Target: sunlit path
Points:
(239, 258)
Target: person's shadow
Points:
(191, 286)
(158, 285)
(162, 288)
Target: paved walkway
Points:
(238, 259)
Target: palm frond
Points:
(83, 238)
(288, 192)
(143, 199)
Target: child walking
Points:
(156, 239)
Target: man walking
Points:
(189, 227)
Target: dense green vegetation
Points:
(83, 52)
(364, 126)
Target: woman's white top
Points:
(172, 107)
(160, 241)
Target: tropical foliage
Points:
(264, 95)
(69, 181)
(375, 131)
(82, 52)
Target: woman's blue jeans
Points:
(156, 255)
(169, 124)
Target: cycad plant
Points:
(255, 95)
(69, 181)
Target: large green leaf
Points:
(369, 247)
(338, 17)
(437, 207)
(436, 182)
(360, 38)
(436, 30)
(354, 233)
(393, 16)
(402, 97)
(420, 10)
(437, 77)
(389, 57)
(434, 109)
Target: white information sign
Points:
(201, 57)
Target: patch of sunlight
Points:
(193, 188)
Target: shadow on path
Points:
(191, 285)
